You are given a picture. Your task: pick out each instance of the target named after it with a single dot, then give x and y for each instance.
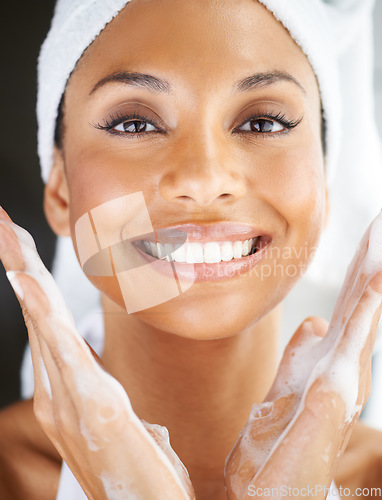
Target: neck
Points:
(201, 390)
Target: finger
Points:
(18, 253)
(66, 346)
(298, 359)
(53, 404)
(162, 438)
(306, 453)
(42, 389)
(94, 354)
(77, 381)
(4, 215)
(366, 264)
(268, 420)
(43, 403)
(357, 334)
(10, 251)
(352, 274)
(351, 357)
(54, 400)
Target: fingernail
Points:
(14, 281)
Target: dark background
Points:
(23, 27)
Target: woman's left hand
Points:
(84, 411)
(292, 442)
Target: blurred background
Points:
(24, 26)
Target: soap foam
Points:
(91, 381)
(36, 269)
(315, 358)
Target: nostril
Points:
(185, 198)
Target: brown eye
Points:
(262, 126)
(134, 127)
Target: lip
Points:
(203, 233)
(203, 272)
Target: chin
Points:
(206, 311)
(209, 317)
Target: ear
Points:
(56, 196)
(327, 207)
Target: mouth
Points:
(210, 252)
(202, 252)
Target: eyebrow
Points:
(155, 84)
(149, 82)
(264, 79)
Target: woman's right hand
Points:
(85, 412)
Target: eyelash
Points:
(119, 118)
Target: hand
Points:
(84, 411)
(295, 438)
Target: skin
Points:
(199, 171)
(205, 172)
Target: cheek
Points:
(97, 176)
(296, 188)
(292, 182)
(108, 208)
(307, 196)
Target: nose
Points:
(202, 171)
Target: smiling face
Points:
(212, 112)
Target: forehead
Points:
(194, 43)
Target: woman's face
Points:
(202, 147)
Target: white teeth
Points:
(212, 252)
(245, 250)
(194, 253)
(227, 250)
(197, 253)
(161, 251)
(147, 246)
(168, 251)
(179, 254)
(237, 248)
(154, 251)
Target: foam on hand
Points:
(334, 359)
(97, 389)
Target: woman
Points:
(160, 140)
